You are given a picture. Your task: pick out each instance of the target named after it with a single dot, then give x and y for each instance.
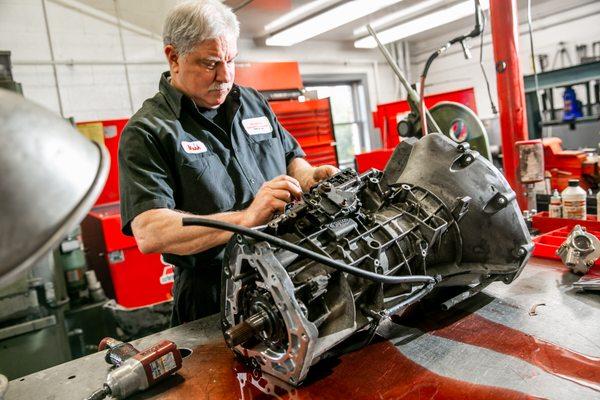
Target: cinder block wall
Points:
(99, 85)
(95, 85)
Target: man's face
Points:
(206, 73)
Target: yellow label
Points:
(574, 209)
(93, 131)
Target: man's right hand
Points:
(271, 198)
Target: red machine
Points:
(269, 76)
(108, 132)
(569, 164)
(132, 278)
(386, 119)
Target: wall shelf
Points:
(587, 75)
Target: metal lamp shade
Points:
(50, 176)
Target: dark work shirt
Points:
(177, 156)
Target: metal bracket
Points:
(498, 202)
(461, 208)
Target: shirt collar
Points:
(175, 97)
(172, 95)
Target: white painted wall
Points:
(94, 82)
(98, 84)
(551, 23)
(91, 74)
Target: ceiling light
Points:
(327, 21)
(421, 24)
(403, 13)
(297, 12)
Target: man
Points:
(204, 146)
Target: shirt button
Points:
(252, 181)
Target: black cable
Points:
(284, 244)
(428, 63)
(477, 30)
(485, 77)
(535, 73)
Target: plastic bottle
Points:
(573, 201)
(555, 208)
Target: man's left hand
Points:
(323, 172)
(307, 175)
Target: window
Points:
(349, 117)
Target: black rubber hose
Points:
(284, 244)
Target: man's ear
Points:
(172, 58)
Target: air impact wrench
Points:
(136, 371)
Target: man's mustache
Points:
(219, 86)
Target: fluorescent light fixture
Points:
(327, 21)
(395, 16)
(297, 12)
(421, 24)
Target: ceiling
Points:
(254, 16)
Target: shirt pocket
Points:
(268, 152)
(207, 186)
(195, 166)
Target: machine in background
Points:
(37, 214)
(455, 113)
(56, 307)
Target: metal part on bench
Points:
(438, 209)
(580, 250)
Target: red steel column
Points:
(511, 92)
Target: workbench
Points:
(535, 338)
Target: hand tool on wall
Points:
(582, 52)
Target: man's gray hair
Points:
(190, 23)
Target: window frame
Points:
(361, 103)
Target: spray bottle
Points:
(555, 208)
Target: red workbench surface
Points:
(535, 338)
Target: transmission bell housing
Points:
(440, 214)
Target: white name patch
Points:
(196, 147)
(257, 126)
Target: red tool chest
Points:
(132, 278)
(111, 133)
(311, 124)
(309, 121)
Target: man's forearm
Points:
(161, 231)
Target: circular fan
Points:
(461, 124)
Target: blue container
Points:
(572, 108)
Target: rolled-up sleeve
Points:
(290, 145)
(145, 180)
